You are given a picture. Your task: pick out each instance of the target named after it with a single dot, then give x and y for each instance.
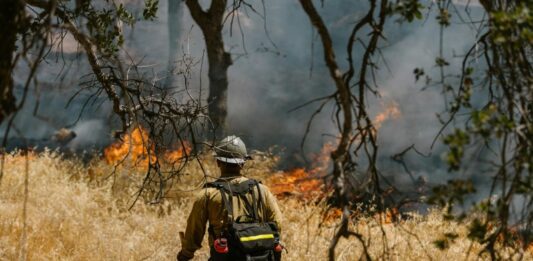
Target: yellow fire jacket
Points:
(208, 207)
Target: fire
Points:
(306, 184)
(296, 181)
(392, 111)
(19, 158)
(511, 235)
(332, 215)
(388, 216)
(136, 146)
(178, 154)
(137, 149)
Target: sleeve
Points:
(272, 209)
(196, 224)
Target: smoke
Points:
(90, 134)
(274, 72)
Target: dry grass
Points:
(75, 213)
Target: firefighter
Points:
(243, 216)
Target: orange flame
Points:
(307, 183)
(296, 181)
(388, 216)
(137, 149)
(136, 146)
(392, 110)
(332, 214)
(176, 155)
(513, 236)
(19, 158)
(304, 184)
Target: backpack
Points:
(247, 237)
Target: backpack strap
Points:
(228, 190)
(254, 205)
(228, 203)
(248, 206)
(259, 201)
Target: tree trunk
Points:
(10, 12)
(174, 14)
(219, 62)
(210, 22)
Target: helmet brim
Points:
(231, 160)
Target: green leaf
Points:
(150, 9)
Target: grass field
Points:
(71, 211)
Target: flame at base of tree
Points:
(302, 183)
(134, 147)
(309, 184)
(137, 150)
(296, 182)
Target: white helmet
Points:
(231, 150)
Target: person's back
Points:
(250, 203)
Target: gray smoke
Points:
(271, 76)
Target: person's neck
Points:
(228, 174)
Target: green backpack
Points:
(246, 237)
